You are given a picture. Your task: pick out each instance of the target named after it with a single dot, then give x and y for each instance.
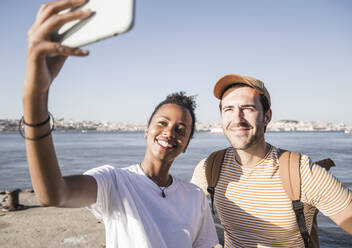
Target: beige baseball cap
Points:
(230, 79)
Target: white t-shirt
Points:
(136, 215)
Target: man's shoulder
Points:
(304, 158)
(220, 154)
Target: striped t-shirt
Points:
(254, 208)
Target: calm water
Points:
(78, 152)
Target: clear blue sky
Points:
(302, 50)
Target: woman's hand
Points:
(42, 67)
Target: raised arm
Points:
(49, 185)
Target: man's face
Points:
(242, 117)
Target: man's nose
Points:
(237, 115)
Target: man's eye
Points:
(248, 109)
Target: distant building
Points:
(106, 126)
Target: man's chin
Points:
(238, 140)
(244, 144)
(240, 147)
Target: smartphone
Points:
(109, 18)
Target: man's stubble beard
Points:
(254, 139)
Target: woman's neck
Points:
(157, 171)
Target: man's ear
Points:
(267, 117)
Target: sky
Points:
(302, 50)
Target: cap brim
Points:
(226, 81)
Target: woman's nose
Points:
(169, 131)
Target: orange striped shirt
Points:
(254, 208)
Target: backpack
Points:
(289, 163)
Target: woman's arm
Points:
(50, 187)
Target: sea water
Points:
(78, 152)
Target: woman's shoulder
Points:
(109, 169)
(100, 169)
(188, 186)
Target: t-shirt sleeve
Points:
(321, 189)
(199, 177)
(206, 236)
(104, 176)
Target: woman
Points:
(141, 205)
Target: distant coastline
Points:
(7, 125)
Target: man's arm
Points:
(199, 177)
(327, 193)
(344, 219)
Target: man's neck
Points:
(252, 155)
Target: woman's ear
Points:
(184, 150)
(146, 133)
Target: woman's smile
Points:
(165, 143)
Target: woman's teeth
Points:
(165, 143)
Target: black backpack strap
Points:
(211, 191)
(325, 163)
(301, 221)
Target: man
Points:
(249, 196)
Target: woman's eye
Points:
(181, 131)
(162, 123)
